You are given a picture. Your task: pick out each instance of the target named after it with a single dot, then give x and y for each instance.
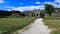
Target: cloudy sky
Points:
(26, 4)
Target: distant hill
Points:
(4, 13)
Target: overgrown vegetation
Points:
(49, 9)
(54, 23)
(8, 25)
(52, 18)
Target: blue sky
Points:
(22, 5)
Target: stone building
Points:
(37, 13)
(34, 13)
(56, 13)
(17, 13)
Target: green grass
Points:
(54, 23)
(8, 25)
(52, 18)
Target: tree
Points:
(49, 9)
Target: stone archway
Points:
(37, 14)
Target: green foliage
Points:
(49, 9)
(54, 23)
(56, 31)
(52, 18)
(8, 25)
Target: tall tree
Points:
(49, 9)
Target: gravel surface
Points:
(37, 27)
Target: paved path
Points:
(37, 27)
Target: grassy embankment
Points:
(8, 25)
(54, 23)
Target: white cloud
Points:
(1, 1)
(53, 3)
(37, 2)
(34, 7)
(29, 8)
(9, 10)
(25, 8)
(48, 3)
(57, 1)
(57, 5)
(9, 7)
